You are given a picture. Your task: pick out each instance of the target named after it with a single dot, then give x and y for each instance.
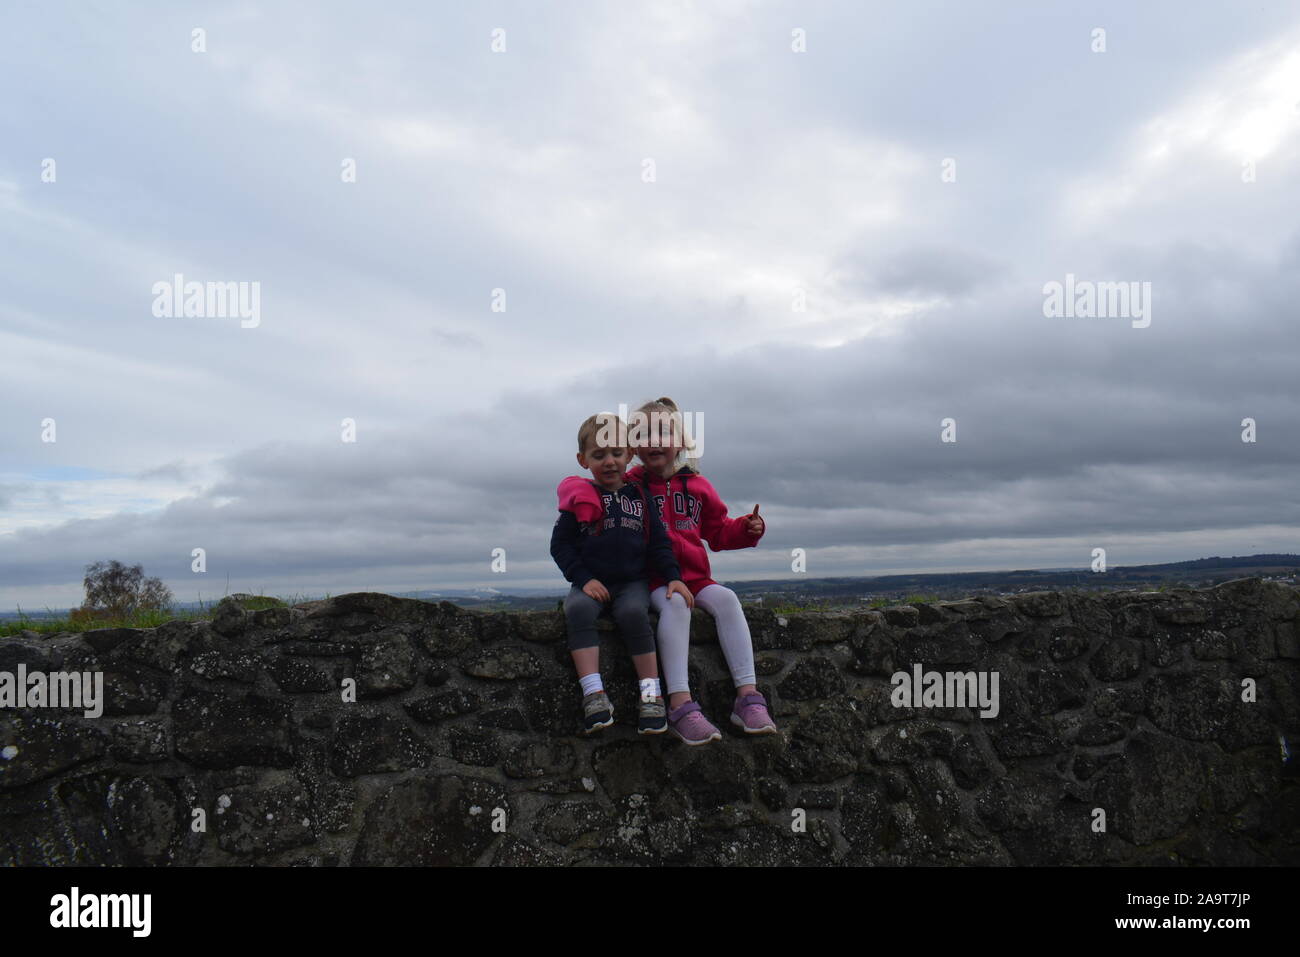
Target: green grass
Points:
(792, 608)
(263, 602)
(150, 618)
(787, 608)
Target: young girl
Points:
(692, 510)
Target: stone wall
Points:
(461, 746)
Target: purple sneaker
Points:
(750, 713)
(689, 724)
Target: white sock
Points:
(591, 683)
(649, 688)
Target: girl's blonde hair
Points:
(663, 411)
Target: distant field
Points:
(810, 593)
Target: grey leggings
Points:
(629, 608)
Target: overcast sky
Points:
(918, 174)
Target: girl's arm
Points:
(577, 495)
(722, 533)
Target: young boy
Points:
(602, 543)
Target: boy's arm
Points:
(722, 533)
(659, 551)
(564, 549)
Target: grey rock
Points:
(1068, 642)
(1040, 604)
(1153, 791)
(507, 719)
(815, 677)
(214, 730)
(475, 746)
(539, 759)
(1214, 646)
(214, 665)
(902, 616)
(1117, 660)
(1129, 701)
(140, 741)
(430, 822)
(386, 667)
(628, 767)
(39, 747)
(513, 852)
(261, 822)
(568, 822)
(445, 704)
(504, 664)
(296, 676)
(373, 743)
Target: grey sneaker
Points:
(652, 716)
(597, 712)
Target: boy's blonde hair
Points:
(600, 429)
(664, 411)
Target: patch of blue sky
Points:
(67, 473)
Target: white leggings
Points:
(675, 634)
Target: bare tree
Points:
(115, 591)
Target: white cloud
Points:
(775, 171)
(1192, 153)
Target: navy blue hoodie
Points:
(625, 543)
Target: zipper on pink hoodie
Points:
(694, 513)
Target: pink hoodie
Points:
(691, 508)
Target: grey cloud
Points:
(922, 271)
(376, 294)
(177, 471)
